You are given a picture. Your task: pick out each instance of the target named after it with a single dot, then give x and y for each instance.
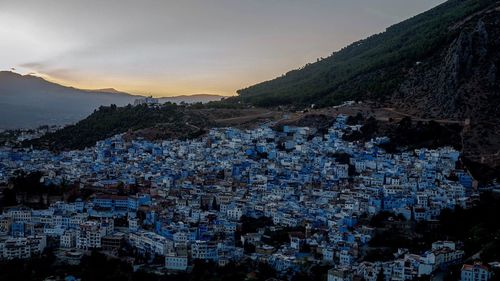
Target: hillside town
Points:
(180, 201)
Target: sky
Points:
(168, 48)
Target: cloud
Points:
(33, 65)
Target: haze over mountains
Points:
(28, 101)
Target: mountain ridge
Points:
(372, 67)
(28, 101)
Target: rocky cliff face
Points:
(462, 82)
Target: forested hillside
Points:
(373, 67)
(167, 119)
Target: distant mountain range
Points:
(28, 101)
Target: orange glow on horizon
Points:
(146, 87)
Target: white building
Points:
(37, 244)
(147, 100)
(89, 235)
(204, 250)
(15, 248)
(174, 262)
(19, 214)
(475, 272)
(150, 242)
(328, 254)
(234, 212)
(68, 239)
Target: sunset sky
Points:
(167, 48)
